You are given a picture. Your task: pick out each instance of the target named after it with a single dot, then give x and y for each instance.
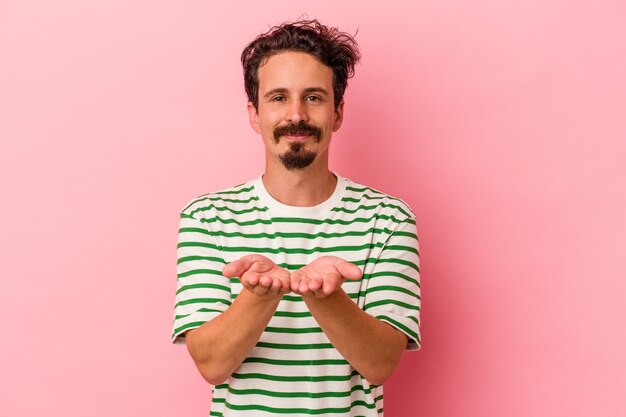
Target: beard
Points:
(297, 157)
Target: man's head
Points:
(336, 50)
(295, 78)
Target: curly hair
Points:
(337, 50)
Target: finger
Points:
(319, 293)
(249, 281)
(260, 290)
(256, 263)
(284, 290)
(260, 263)
(259, 258)
(265, 281)
(315, 284)
(303, 288)
(285, 285)
(247, 286)
(295, 282)
(274, 287)
(251, 278)
(331, 285)
(235, 269)
(348, 270)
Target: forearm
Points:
(220, 345)
(371, 346)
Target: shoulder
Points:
(238, 197)
(358, 196)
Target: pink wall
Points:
(501, 123)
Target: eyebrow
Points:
(306, 90)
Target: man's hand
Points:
(259, 275)
(323, 276)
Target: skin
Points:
(294, 87)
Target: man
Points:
(298, 291)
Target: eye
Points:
(278, 98)
(314, 98)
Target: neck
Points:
(301, 187)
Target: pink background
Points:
(503, 124)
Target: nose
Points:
(296, 112)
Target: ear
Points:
(338, 117)
(253, 115)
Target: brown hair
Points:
(337, 50)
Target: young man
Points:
(298, 291)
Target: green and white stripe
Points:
(294, 370)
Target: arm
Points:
(372, 347)
(219, 346)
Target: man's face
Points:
(296, 113)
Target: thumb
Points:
(348, 270)
(236, 268)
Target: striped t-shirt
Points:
(294, 370)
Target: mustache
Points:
(301, 128)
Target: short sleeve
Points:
(393, 290)
(202, 292)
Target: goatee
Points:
(297, 157)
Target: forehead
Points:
(293, 71)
